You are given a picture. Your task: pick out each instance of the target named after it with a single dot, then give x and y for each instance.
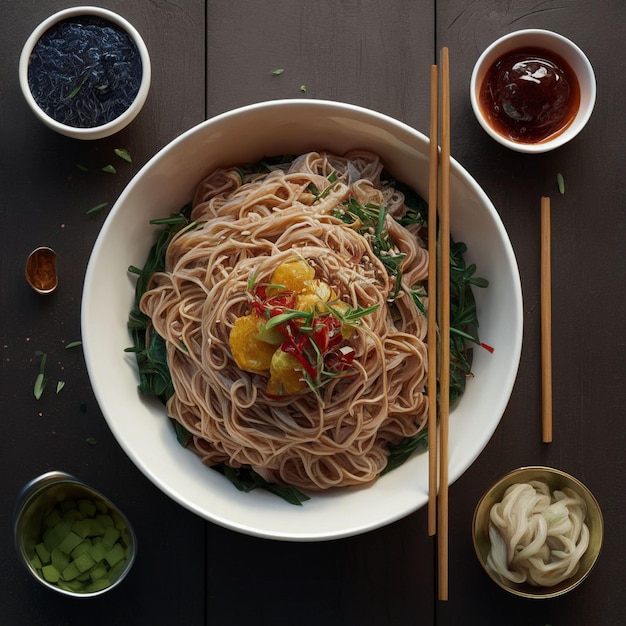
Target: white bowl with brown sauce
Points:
(533, 90)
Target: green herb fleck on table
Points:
(123, 154)
(91, 441)
(109, 169)
(278, 71)
(97, 209)
(560, 181)
(73, 344)
(41, 381)
(303, 88)
(60, 385)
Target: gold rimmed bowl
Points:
(556, 480)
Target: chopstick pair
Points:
(439, 301)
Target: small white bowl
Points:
(110, 127)
(552, 43)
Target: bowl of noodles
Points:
(538, 532)
(263, 282)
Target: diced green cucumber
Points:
(115, 554)
(84, 562)
(35, 562)
(83, 547)
(70, 541)
(55, 535)
(98, 572)
(82, 527)
(98, 585)
(111, 535)
(106, 520)
(59, 559)
(50, 573)
(87, 508)
(97, 551)
(42, 552)
(53, 518)
(67, 505)
(70, 572)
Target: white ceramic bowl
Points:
(551, 42)
(164, 185)
(109, 128)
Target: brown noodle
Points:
(313, 441)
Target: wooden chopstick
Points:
(431, 334)
(444, 330)
(546, 324)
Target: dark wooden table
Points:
(210, 56)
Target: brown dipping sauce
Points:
(530, 95)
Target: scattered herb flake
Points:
(91, 441)
(81, 167)
(560, 181)
(278, 71)
(41, 380)
(73, 344)
(78, 87)
(303, 88)
(97, 208)
(123, 154)
(109, 169)
(60, 385)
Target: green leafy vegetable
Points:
(463, 317)
(246, 479)
(399, 453)
(369, 221)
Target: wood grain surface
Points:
(210, 56)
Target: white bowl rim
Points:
(249, 527)
(492, 52)
(120, 122)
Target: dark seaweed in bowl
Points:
(84, 71)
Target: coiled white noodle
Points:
(247, 228)
(537, 536)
